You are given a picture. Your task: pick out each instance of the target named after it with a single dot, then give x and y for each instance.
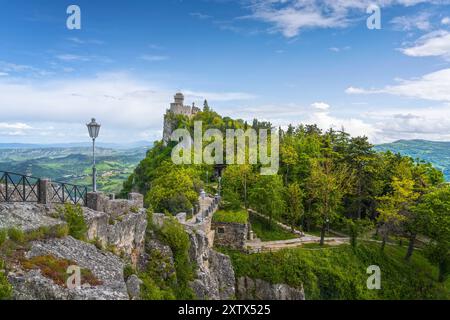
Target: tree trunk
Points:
(245, 192)
(409, 253)
(383, 244)
(322, 235)
(442, 270)
(359, 200)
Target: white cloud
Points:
(433, 86)
(436, 43)
(83, 41)
(4, 74)
(320, 105)
(14, 126)
(14, 129)
(428, 124)
(127, 107)
(218, 96)
(446, 21)
(419, 21)
(153, 58)
(8, 68)
(338, 49)
(199, 15)
(290, 17)
(72, 57)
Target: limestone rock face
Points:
(161, 258)
(105, 266)
(26, 216)
(126, 233)
(215, 274)
(256, 289)
(134, 287)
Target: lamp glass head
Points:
(94, 128)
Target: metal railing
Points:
(16, 187)
(68, 193)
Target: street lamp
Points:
(220, 184)
(94, 129)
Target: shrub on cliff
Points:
(73, 215)
(5, 286)
(174, 235)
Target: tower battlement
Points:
(177, 108)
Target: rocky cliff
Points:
(256, 289)
(114, 240)
(36, 250)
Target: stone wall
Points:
(256, 289)
(100, 202)
(231, 235)
(119, 224)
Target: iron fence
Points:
(68, 193)
(16, 187)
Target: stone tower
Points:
(176, 108)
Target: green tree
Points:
(266, 196)
(360, 157)
(175, 189)
(327, 185)
(356, 227)
(395, 206)
(435, 207)
(295, 209)
(236, 181)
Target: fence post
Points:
(43, 191)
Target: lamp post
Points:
(220, 184)
(94, 129)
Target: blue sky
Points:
(286, 61)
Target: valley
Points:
(74, 164)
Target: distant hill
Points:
(130, 145)
(435, 152)
(73, 164)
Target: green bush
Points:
(5, 286)
(240, 216)
(128, 270)
(3, 236)
(73, 215)
(16, 235)
(151, 291)
(172, 233)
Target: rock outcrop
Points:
(256, 289)
(215, 274)
(122, 233)
(26, 216)
(105, 266)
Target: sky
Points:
(283, 61)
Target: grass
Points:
(341, 273)
(269, 232)
(223, 216)
(56, 269)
